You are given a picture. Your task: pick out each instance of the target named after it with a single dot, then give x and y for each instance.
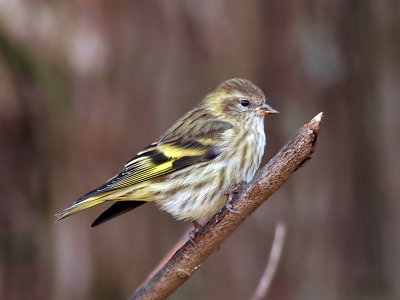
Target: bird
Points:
(192, 168)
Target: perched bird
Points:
(189, 170)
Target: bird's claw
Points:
(229, 207)
(197, 226)
(230, 193)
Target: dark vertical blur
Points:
(85, 84)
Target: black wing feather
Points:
(116, 210)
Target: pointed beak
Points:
(265, 109)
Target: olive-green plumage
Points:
(187, 172)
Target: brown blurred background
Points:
(85, 84)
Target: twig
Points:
(272, 265)
(268, 180)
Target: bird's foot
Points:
(197, 226)
(233, 191)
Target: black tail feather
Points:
(116, 210)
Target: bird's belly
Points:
(192, 192)
(201, 190)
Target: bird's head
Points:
(238, 100)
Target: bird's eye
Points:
(245, 103)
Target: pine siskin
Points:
(190, 169)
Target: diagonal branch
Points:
(250, 196)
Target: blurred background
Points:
(84, 85)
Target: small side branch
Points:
(250, 196)
(272, 265)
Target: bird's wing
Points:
(170, 154)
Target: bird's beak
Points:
(265, 109)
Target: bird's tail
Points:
(80, 205)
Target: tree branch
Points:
(250, 196)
